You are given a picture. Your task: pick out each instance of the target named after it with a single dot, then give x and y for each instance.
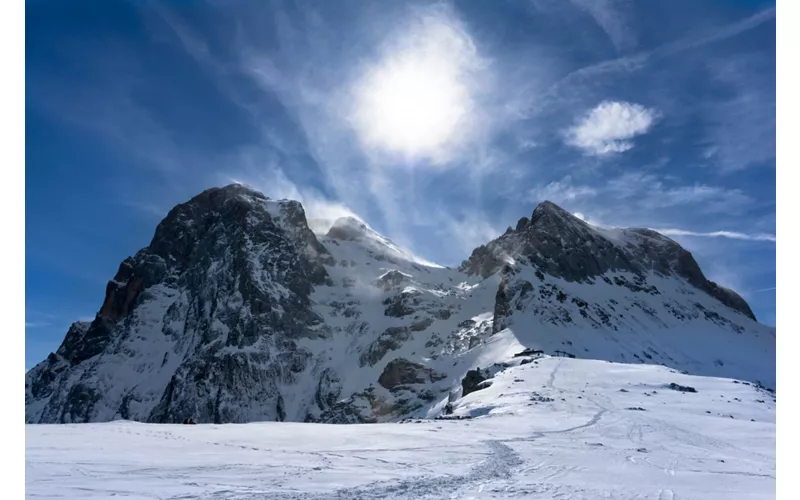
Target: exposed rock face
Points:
(391, 280)
(236, 311)
(392, 338)
(229, 269)
(728, 297)
(472, 381)
(402, 304)
(401, 372)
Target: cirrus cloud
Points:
(719, 234)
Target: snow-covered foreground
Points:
(553, 428)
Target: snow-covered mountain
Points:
(237, 312)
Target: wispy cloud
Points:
(642, 193)
(36, 319)
(610, 16)
(115, 116)
(610, 128)
(194, 45)
(561, 191)
(469, 231)
(741, 128)
(717, 35)
(37, 324)
(718, 234)
(595, 72)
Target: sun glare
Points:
(415, 100)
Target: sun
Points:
(412, 106)
(416, 99)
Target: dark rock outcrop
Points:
(391, 338)
(472, 382)
(402, 372)
(391, 279)
(681, 388)
(402, 304)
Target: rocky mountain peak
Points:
(547, 215)
(550, 219)
(549, 210)
(562, 245)
(229, 209)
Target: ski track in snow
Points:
(584, 444)
(499, 464)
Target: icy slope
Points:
(551, 428)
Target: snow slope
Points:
(550, 428)
(670, 324)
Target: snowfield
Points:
(551, 428)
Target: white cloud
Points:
(718, 234)
(609, 127)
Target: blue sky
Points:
(439, 123)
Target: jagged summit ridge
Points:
(236, 311)
(560, 244)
